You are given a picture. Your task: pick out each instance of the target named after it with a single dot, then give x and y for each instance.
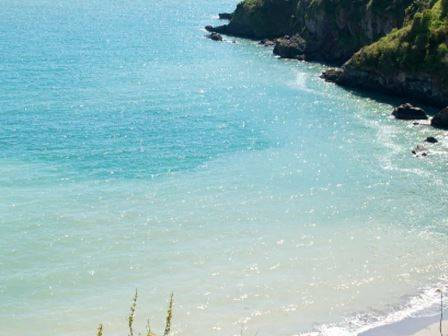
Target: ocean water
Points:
(137, 154)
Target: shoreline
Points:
(429, 323)
(419, 316)
(410, 326)
(371, 92)
(375, 55)
(433, 329)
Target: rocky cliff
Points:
(332, 30)
(336, 29)
(411, 61)
(260, 19)
(396, 46)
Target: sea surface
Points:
(137, 154)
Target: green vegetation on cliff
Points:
(333, 29)
(260, 19)
(420, 47)
(396, 46)
(336, 29)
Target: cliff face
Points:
(396, 46)
(260, 19)
(336, 29)
(411, 61)
(332, 29)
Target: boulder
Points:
(225, 16)
(440, 120)
(267, 43)
(290, 47)
(420, 151)
(332, 75)
(214, 36)
(409, 112)
(431, 139)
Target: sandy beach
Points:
(433, 329)
(411, 326)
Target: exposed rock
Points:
(209, 28)
(225, 16)
(214, 36)
(419, 150)
(431, 139)
(409, 62)
(267, 43)
(422, 87)
(290, 47)
(331, 75)
(333, 29)
(260, 19)
(440, 120)
(409, 112)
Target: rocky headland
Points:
(411, 61)
(398, 47)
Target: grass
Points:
(131, 319)
(131, 316)
(419, 47)
(99, 331)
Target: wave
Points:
(426, 303)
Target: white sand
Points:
(433, 330)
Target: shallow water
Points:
(135, 153)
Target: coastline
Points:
(433, 329)
(374, 55)
(418, 316)
(140, 155)
(428, 323)
(410, 326)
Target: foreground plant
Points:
(441, 311)
(131, 319)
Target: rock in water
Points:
(267, 43)
(431, 139)
(290, 47)
(225, 16)
(420, 151)
(409, 112)
(440, 120)
(214, 36)
(332, 75)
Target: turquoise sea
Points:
(136, 153)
